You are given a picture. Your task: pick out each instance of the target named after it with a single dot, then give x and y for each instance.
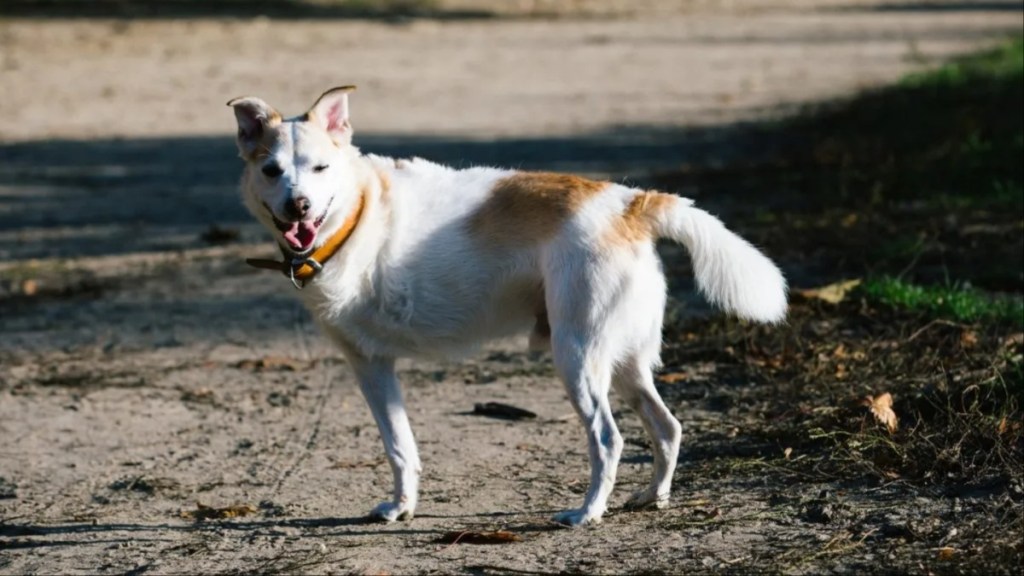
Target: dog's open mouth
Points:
(300, 235)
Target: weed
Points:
(960, 303)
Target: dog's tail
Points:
(730, 272)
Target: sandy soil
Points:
(143, 369)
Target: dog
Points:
(400, 258)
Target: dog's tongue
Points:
(301, 235)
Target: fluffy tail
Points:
(730, 272)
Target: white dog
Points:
(410, 258)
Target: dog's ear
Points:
(331, 112)
(254, 117)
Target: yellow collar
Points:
(302, 269)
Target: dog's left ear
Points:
(331, 112)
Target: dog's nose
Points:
(297, 207)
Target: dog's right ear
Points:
(254, 117)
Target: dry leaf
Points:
(881, 408)
(711, 514)
(672, 377)
(833, 293)
(841, 371)
(1002, 426)
(29, 287)
(968, 339)
(946, 553)
(787, 452)
(469, 537)
(769, 362)
(203, 512)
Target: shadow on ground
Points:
(387, 10)
(70, 198)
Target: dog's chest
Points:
(407, 313)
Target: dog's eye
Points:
(319, 167)
(272, 170)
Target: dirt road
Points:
(143, 368)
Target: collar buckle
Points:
(298, 263)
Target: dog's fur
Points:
(442, 259)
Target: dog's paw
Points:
(390, 511)
(646, 498)
(577, 518)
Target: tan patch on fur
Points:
(385, 185)
(531, 207)
(385, 180)
(638, 221)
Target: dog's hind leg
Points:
(587, 378)
(576, 309)
(634, 381)
(380, 387)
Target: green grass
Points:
(1005, 61)
(958, 303)
(953, 130)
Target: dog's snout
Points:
(297, 207)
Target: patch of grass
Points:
(958, 303)
(1006, 60)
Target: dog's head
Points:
(300, 176)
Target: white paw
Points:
(646, 498)
(390, 511)
(577, 518)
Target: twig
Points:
(922, 329)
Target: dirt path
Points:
(143, 370)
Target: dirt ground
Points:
(144, 368)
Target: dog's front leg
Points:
(380, 388)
